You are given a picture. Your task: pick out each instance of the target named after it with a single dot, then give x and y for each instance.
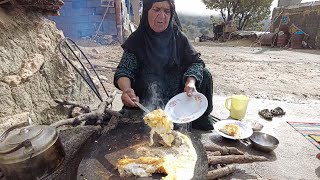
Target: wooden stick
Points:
(214, 174)
(72, 103)
(223, 150)
(216, 153)
(113, 113)
(96, 114)
(241, 159)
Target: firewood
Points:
(217, 173)
(96, 114)
(223, 150)
(241, 159)
(66, 102)
(216, 153)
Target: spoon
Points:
(142, 107)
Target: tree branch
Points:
(217, 173)
(229, 159)
(96, 114)
(223, 150)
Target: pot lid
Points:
(18, 144)
(25, 133)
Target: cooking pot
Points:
(30, 151)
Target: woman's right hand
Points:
(128, 98)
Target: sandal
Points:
(278, 111)
(266, 114)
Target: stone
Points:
(31, 66)
(13, 80)
(29, 50)
(9, 121)
(95, 50)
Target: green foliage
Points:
(195, 26)
(247, 13)
(204, 31)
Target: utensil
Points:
(85, 75)
(184, 109)
(142, 107)
(30, 151)
(263, 141)
(238, 107)
(245, 130)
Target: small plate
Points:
(245, 130)
(184, 109)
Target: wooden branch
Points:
(215, 153)
(113, 113)
(214, 174)
(223, 150)
(113, 123)
(96, 114)
(66, 102)
(229, 159)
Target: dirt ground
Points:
(260, 72)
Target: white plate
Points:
(184, 109)
(245, 130)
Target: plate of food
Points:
(233, 129)
(184, 109)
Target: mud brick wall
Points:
(305, 16)
(81, 18)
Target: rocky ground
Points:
(259, 72)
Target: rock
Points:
(13, 80)
(31, 66)
(9, 121)
(106, 40)
(28, 49)
(95, 50)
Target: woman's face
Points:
(159, 16)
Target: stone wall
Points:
(32, 71)
(305, 16)
(81, 18)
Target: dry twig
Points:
(216, 153)
(96, 114)
(217, 173)
(223, 150)
(229, 159)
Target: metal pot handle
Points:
(26, 143)
(4, 135)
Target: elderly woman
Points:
(159, 62)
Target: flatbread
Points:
(181, 158)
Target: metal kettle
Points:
(30, 151)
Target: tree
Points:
(204, 31)
(244, 12)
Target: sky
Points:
(196, 7)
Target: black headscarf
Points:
(156, 48)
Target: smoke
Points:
(155, 97)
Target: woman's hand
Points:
(128, 98)
(128, 95)
(190, 86)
